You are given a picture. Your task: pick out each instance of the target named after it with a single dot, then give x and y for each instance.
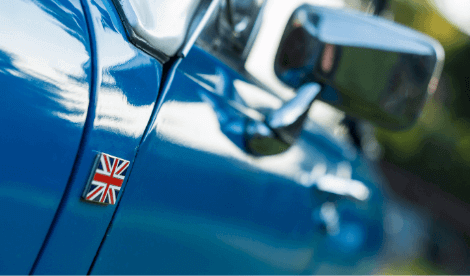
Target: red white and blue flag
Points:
(107, 177)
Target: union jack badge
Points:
(106, 179)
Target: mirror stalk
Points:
(283, 126)
(287, 121)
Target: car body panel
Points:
(194, 201)
(127, 82)
(45, 75)
(197, 203)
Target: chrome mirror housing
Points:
(369, 67)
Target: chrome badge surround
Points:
(106, 179)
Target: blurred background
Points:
(427, 167)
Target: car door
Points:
(45, 74)
(125, 83)
(197, 202)
(73, 87)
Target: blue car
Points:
(134, 141)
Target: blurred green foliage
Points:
(437, 148)
(419, 266)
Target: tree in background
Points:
(437, 148)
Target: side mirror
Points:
(368, 67)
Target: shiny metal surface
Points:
(126, 83)
(195, 200)
(158, 26)
(378, 70)
(199, 23)
(164, 28)
(197, 203)
(231, 33)
(105, 180)
(45, 75)
(282, 126)
(287, 121)
(239, 23)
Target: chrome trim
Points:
(231, 34)
(160, 47)
(200, 26)
(287, 121)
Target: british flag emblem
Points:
(106, 179)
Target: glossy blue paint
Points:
(127, 82)
(44, 76)
(197, 203)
